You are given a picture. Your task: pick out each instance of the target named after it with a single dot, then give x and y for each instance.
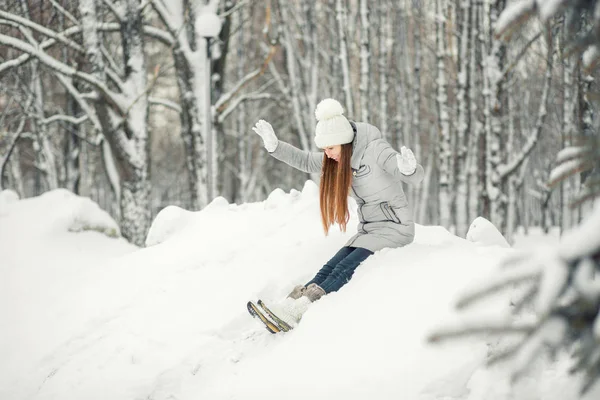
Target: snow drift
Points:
(89, 316)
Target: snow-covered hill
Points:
(87, 316)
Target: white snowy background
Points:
(85, 315)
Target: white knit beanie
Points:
(332, 127)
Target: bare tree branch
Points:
(65, 118)
(240, 99)
(226, 97)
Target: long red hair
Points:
(336, 178)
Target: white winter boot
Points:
(290, 310)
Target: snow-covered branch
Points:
(478, 325)
(150, 31)
(62, 68)
(78, 97)
(64, 12)
(172, 22)
(113, 71)
(41, 29)
(23, 58)
(513, 16)
(156, 101)
(65, 118)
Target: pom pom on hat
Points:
(332, 127)
(328, 108)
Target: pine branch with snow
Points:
(559, 310)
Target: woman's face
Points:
(334, 152)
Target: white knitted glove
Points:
(407, 164)
(265, 131)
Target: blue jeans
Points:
(338, 271)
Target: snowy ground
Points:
(88, 316)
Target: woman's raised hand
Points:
(265, 131)
(407, 163)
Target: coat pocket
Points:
(389, 212)
(364, 170)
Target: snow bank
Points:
(96, 320)
(168, 222)
(483, 232)
(57, 211)
(7, 197)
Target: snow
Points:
(61, 210)
(482, 231)
(7, 197)
(565, 169)
(590, 56)
(208, 24)
(89, 316)
(167, 223)
(571, 152)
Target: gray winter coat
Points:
(385, 217)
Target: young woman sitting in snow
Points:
(360, 163)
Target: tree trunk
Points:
(475, 156)
(45, 161)
(126, 129)
(192, 123)
(444, 147)
(343, 45)
(365, 59)
(569, 185)
(385, 39)
(464, 119)
(416, 127)
(191, 54)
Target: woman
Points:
(360, 163)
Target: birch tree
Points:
(9, 138)
(494, 111)
(184, 21)
(464, 134)
(342, 22)
(568, 127)
(301, 90)
(558, 283)
(43, 147)
(444, 152)
(416, 125)
(365, 59)
(385, 40)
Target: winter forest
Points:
(143, 104)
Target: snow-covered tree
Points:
(120, 102)
(191, 26)
(559, 287)
(464, 136)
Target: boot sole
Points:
(256, 313)
(282, 324)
